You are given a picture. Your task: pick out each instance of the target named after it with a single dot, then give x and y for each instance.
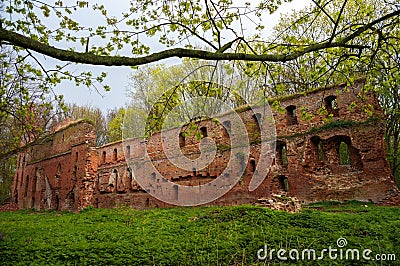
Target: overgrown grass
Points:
(194, 236)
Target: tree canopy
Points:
(55, 29)
(155, 90)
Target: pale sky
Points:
(118, 77)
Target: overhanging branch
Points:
(89, 58)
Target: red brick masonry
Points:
(67, 171)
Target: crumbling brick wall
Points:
(313, 129)
(58, 173)
(313, 170)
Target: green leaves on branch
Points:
(27, 106)
(182, 24)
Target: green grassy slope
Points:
(194, 236)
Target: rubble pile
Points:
(280, 202)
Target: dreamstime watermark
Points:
(340, 252)
(163, 155)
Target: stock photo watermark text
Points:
(338, 252)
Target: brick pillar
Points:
(88, 184)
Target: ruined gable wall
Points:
(55, 173)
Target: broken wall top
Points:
(61, 141)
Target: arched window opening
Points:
(283, 183)
(203, 131)
(26, 185)
(75, 173)
(253, 165)
(255, 135)
(331, 105)
(104, 157)
(128, 151)
(115, 173)
(318, 148)
(291, 117)
(257, 119)
(280, 184)
(344, 155)
(130, 174)
(281, 153)
(321, 152)
(57, 205)
(71, 200)
(194, 171)
(58, 175)
(115, 154)
(34, 180)
(182, 141)
(176, 192)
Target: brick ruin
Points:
(68, 172)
